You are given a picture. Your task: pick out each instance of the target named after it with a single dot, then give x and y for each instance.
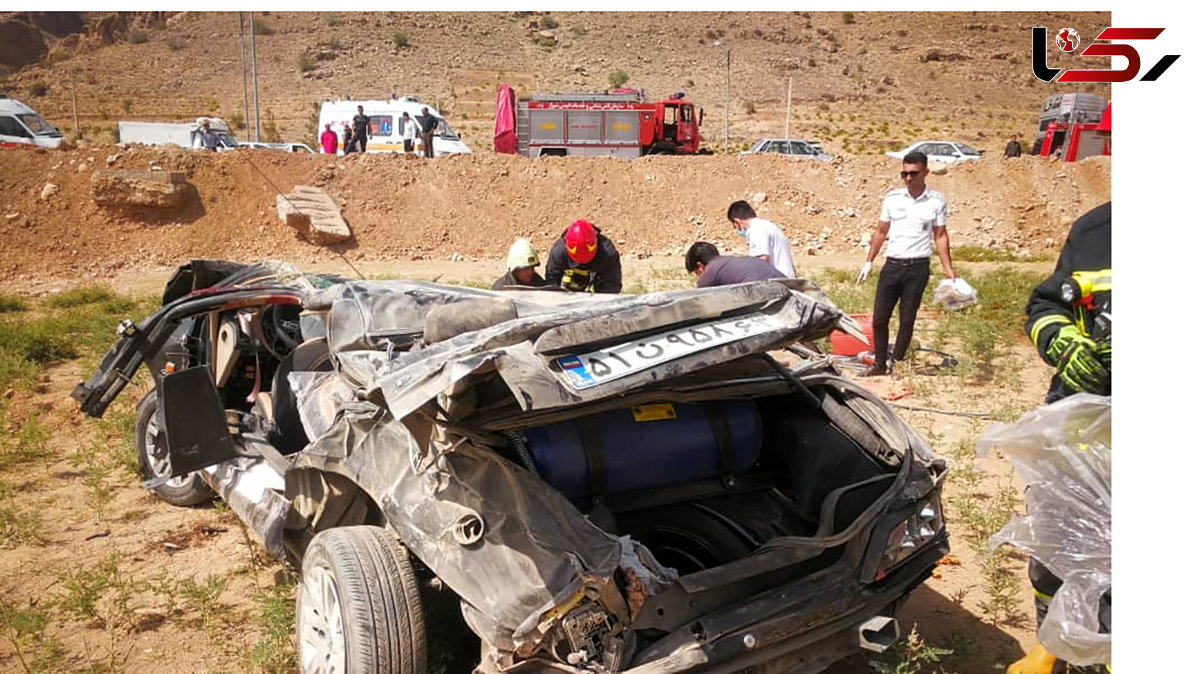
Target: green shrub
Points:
(847, 18)
(138, 36)
(39, 89)
(749, 107)
(261, 27)
(548, 22)
(400, 40)
(306, 63)
(83, 295)
(618, 78)
(11, 304)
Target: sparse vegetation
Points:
(39, 89)
(306, 63)
(548, 22)
(400, 40)
(618, 78)
(911, 655)
(175, 43)
(138, 36)
(275, 652)
(24, 629)
(579, 30)
(236, 121)
(261, 27)
(749, 107)
(847, 18)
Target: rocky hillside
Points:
(861, 81)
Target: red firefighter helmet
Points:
(581, 241)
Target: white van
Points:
(20, 125)
(385, 127)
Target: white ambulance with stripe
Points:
(385, 125)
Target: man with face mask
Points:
(766, 240)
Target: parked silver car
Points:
(549, 481)
(793, 148)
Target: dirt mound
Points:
(473, 206)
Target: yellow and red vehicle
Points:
(619, 123)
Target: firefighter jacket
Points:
(601, 274)
(1085, 268)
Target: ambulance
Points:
(20, 125)
(385, 125)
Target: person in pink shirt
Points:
(329, 140)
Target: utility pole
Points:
(728, 62)
(787, 120)
(74, 106)
(254, 75)
(245, 84)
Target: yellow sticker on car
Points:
(653, 412)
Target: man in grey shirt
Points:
(715, 269)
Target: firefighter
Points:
(584, 259)
(1069, 321)
(522, 267)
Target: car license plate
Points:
(597, 367)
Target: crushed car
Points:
(647, 483)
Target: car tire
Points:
(358, 608)
(151, 443)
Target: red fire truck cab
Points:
(615, 124)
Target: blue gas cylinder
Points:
(646, 446)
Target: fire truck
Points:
(620, 123)
(1068, 127)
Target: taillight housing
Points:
(911, 535)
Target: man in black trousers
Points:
(913, 221)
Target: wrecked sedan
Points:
(657, 483)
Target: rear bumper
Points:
(814, 620)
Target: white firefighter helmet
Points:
(521, 254)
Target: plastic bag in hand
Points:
(955, 294)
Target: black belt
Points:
(907, 261)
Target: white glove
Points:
(866, 271)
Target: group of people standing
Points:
(912, 221)
(357, 132)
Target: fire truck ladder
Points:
(522, 128)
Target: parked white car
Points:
(286, 147)
(20, 125)
(944, 151)
(793, 148)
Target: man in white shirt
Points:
(408, 133)
(765, 238)
(913, 220)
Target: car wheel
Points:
(358, 608)
(151, 440)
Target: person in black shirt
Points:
(347, 139)
(362, 130)
(429, 125)
(1013, 149)
(714, 269)
(584, 259)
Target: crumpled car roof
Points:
(365, 315)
